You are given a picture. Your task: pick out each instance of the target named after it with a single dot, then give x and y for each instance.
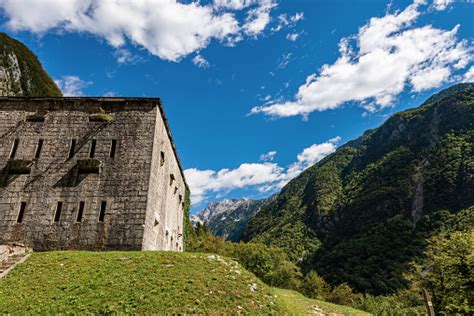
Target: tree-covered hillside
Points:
(21, 73)
(364, 214)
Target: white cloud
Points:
(269, 156)
(234, 4)
(297, 17)
(72, 86)
(258, 18)
(441, 4)
(200, 61)
(284, 61)
(469, 75)
(124, 56)
(388, 55)
(288, 21)
(246, 175)
(110, 94)
(265, 176)
(292, 36)
(166, 28)
(311, 155)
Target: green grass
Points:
(72, 282)
(301, 305)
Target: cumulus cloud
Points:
(311, 155)
(246, 175)
(258, 18)
(285, 59)
(292, 36)
(200, 61)
(264, 176)
(72, 86)
(441, 4)
(269, 156)
(376, 65)
(110, 94)
(168, 29)
(234, 4)
(469, 75)
(284, 20)
(124, 56)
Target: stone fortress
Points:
(89, 174)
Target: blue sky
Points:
(255, 90)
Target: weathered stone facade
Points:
(89, 173)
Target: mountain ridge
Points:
(21, 73)
(401, 176)
(226, 218)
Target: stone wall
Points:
(122, 183)
(164, 222)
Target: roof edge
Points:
(151, 101)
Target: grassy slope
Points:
(139, 282)
(299, 304)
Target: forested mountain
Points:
(228, 217)
(364, 214)
(21, 73)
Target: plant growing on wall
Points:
(100, 116)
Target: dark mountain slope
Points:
(21, 74)
(363, 214)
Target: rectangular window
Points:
(72, 149)
(80, 212)
(38, 148)
(113, 148)
(57, 215)
(92, 150)
(103, 206)
(162, 158)
(22, 212)
(171, 179)
(16, 142)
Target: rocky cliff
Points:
(227, 218)
(21, 73)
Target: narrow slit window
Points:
(162, 158)
(171, 179)
(38, 148)
(72, 149)
(180, 198)
(16, 142)
(22, 212)
(92, 151)
(113, 148)
(80, 212)
(103, 206)
(175, 190)
(57, 215)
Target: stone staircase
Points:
(10, 256)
